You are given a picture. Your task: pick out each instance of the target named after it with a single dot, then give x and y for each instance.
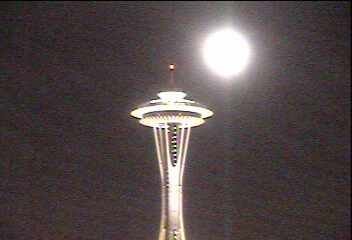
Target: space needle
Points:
(171, 116)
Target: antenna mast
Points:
(172, 79)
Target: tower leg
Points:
(171, 143)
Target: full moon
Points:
(226, 52)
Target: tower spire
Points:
(172, 78)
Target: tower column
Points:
(171, 144)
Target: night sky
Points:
(272, 164)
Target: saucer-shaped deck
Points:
(171, 108)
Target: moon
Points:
(226, 52)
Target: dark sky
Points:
(272, 164)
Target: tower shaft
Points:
(171, 144)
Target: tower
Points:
(171, 117)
